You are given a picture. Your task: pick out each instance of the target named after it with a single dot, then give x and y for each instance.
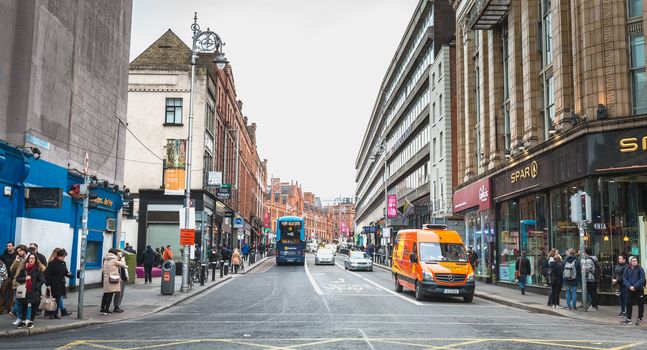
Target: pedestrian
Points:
(111, 279)
(570, 277)
(245, 251)
(130, 248)
(592, 270)
(214, 258)
(235, 260)
(148, 260)
(168, 254)
(618, 284)
(634, 280)
(523, 270)
(544, 261)
(55, 275)
(6, 289)
(31, 275)
(18, 264)
(123, 279)
(555, 277)
(33, 249)
(225, 252)
(473, 258)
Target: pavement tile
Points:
(139, 299)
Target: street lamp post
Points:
(203, 41)
(381, 149)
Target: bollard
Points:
(222, 268)
(225, 267)
(213, 271)
(203, 269)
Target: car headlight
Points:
(428, 275)
(470, 278)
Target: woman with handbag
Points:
(32, 277)
(55, 279)
(111, 279)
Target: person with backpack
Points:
(634, 280)
(592, 270)
(618, 284)
(555, 279)
(523, 270)
(570, 277)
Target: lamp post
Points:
(203, 41)
(381, 149)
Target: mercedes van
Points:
(432, 261)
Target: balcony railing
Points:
(484, 14)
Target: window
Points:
(507, 136)
(440, 71)
(433, 151)
(94, 254)
(477, 108)
(433, 113)
(440, 106)
(440, 146)
(638, 75)
(433, 80)
(209, 115)
(635, 8)
(547, 33)
(174, 111)
(549, 103)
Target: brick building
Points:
(224, 142)
(552, 101)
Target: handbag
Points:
(21, 291)
(114, 278)
(47, 303)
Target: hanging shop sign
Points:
(476, 194)
(392, 206)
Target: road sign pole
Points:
(84, 237)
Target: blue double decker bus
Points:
(290, 240)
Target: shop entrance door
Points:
(642, 225)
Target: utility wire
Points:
(137, 138)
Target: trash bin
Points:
(226, 267)
(168, 277)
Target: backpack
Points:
(597, 269)
(570, 272)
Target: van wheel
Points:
(468, 298)
(398, 286)
(418, 291)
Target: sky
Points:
(308, 73)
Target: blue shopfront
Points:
(37, 207)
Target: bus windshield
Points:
(290, 232)
(431, 251)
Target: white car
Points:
(358, 261)
(324, 256)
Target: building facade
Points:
(394, 157)
(159, 88)
(62, 112)
(552, 103)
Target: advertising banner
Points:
(266, 219)
(175, 167)
(392, 206)
(343, 227)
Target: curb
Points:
(82, 324)
(516, 305)
(258, 263)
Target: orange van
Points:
(432, 261)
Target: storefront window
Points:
(565, 233)
(508, 226)
(534, 233)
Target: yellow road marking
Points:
(554, 343)
(99, 346)
(320, 342)
(454, 346)
(627, 346)
(180, 342)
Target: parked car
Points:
(358, 261)
(324, 256)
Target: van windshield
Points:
(442, 252)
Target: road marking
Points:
(366, 339)
(414, 302)
(315, 286)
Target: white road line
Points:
(366, 339)
(315, 286)
(383, 288)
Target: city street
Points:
(326, 307)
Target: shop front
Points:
(473, 202)
(532, 202)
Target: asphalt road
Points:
(326, 307)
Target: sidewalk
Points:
(139, 300)
(534, 302)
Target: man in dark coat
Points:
(33, 248)
(524, 269)
(55, 275)
(6, 291)
(634, 280)
(148, 260)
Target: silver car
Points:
(324, 256)
(358, 261)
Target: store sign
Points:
(223, 192)
(529, 171)
(214, 178)
(369, 229)
(392, 205)
(187, 236)
(476, 194)
(633, 144)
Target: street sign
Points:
(187, 236)
(214, 178)
(238, 222)
(223, 192)
(229, 214)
